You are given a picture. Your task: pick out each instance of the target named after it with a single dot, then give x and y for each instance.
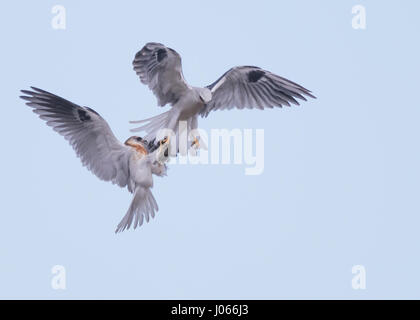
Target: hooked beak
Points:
(127, 142)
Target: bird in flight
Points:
(130, 165)
(160, 68)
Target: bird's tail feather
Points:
(142, 207)
(153, 125)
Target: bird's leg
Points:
(170, 130)
(164, 140)
(163, 146)
(155, 145)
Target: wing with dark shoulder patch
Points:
(87, 132)
(252, 87)
(160, 68)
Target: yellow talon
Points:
(164, 148)
(196, 143)
(164, 140)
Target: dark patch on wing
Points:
(83, 115)
(161, 54)
(255, 75)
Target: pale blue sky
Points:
(341, 179)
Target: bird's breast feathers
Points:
(189, 105)
(141, 171)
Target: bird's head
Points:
(137, 143)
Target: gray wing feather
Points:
(252, 87)
(160, 68)
(87, 132)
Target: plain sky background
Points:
(341, 179)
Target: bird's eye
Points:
(139, 139)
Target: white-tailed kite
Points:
(242, 87)
(128, 165)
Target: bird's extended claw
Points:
(195, 143)
(163, 149)
(164, 141)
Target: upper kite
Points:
(240, 87)
(160, 68)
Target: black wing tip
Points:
(27, 92)
(309, 94)
(35, 91)
(306, 94)
(28, 97)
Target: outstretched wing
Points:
(253, 87)
(160, 68)
(87, 132)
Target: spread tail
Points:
(142, 207)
